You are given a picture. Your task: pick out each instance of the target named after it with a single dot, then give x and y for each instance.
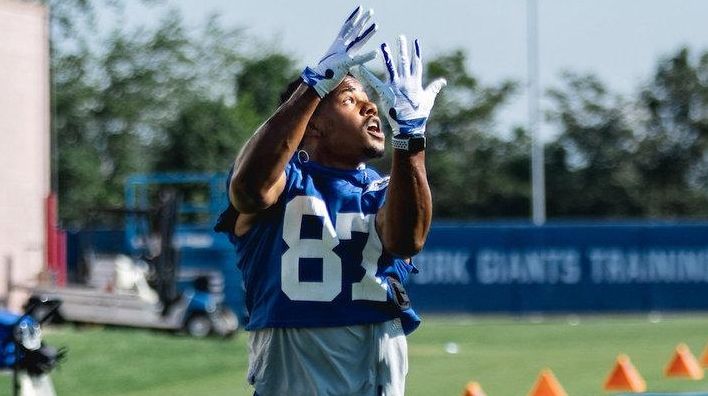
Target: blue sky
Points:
(619, 40)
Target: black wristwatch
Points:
(412, 144)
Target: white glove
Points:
(334, 66)
(408, 105)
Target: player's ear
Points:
(314, 127)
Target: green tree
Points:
(168, 98)
(80, 179)
(112, 101)
(207, 133)
(473, 173)
(673, 151)
(261, 81)
(590, 168)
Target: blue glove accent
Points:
(311, 77)
(364, 36)
(412, 127)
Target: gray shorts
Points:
(362, 360)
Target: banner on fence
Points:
(603, 267)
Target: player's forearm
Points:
(409, 207)
(261, 163)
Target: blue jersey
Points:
(314, 259)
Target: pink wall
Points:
(24, 143)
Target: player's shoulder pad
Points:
(377, 185)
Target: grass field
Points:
(504, 354)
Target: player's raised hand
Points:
(341, 55)
(408, 105)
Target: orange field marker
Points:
(473, 389)
(684, 364)
(704, 357)
(547, 385)
(625, 377)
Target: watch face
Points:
(416, 144)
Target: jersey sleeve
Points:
(227, 219)
(293, 173)
(375, 192)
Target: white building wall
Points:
(24, 143)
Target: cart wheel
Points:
(198, 325)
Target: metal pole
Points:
(538, 191)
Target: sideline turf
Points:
(504, 354)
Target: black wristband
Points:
(411, 144)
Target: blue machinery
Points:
(201, 250)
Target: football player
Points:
(324, 243)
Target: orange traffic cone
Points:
(684, 364)
(625, 377)
(704, 357)
(547, 385)
(473, 389)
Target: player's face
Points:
(351, 128)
